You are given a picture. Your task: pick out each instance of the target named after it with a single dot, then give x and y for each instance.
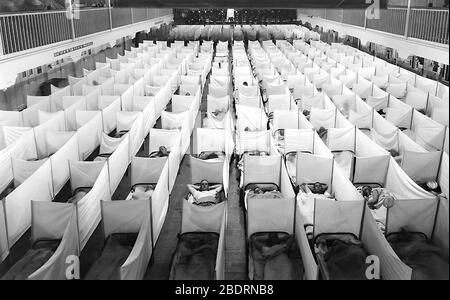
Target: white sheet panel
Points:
(60, 163)
(403, 186)
(221, 255)
(309, 263)
(118, 163)
(126, 119)
(210, 140)
(23, 148)
(172, 121)
(56, 140)
(90, 133)
(34, 105)
(37, 187)
(270, 215)
(160, 202)
(262, 169)
(57, 97)
(415, 215)
(444, 175)
(378, 102)
(11, 118)
(343, 189)
(391, 267)
(22, 169)
(84, 173)
(121, 216)
(4, 245)
(338, 216)
(49, 220)
(71, 105)
(281, 102)
(323, 118)
(202, 218)
(92, 99)
(147, 170)
(137, 135)
(253, 118)
(421, 167)
(136, 264)
(126, 95)
(431, 138)
(163, 137)
(89, 211)
(211, 170)
(55, 268)
(147, 106)
(314, 168)
(361, 120)
(298, 140)
(109, 113)
(342, 139)
(416, 98)
(57, 123)
(371, 169)
(441, 233)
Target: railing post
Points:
(1, 42)
(70, 16)
(132, 17)
(408, 12)
(110, 15)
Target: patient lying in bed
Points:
(341, 257)
(415, 250)
(305, 198)
(215, 119)
(35, 258)
(142, 192)
(79, 194)
(195, 256)
(274, 256)
(378, 199)
(162, 152)
(115, 252)
(396, 155)
(208, 155)
(205, 194)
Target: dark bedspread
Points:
(342, 257)
(32, 261)
(116, 251)
(275, 256)
(195, 256)
(421, 255)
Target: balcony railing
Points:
(24, 31)
(421, 23)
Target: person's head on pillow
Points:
(258, 190)
(187, 94)
(163, 151)
(319, 188)
(394, 153)
(204, 185)
(366, 191)
(245, 83)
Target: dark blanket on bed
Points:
(116, 251)
(421, 255)
(32, 261)
(195, 256)
(344, 257)
(275, 256)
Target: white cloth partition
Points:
(118, 163)
(338, 216)
(84, 173)
(253, 141)
(110, 107)
(323, 118)
(251, 117)
(197, 218)
(89, 210)
(313, 168)
(4, 243)
(421, 166)
(131, 217)
(60, 163)
(37, 187)
(22, 169)
(55, 221)
(89, 132)
(298, 140)
(262, 169)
